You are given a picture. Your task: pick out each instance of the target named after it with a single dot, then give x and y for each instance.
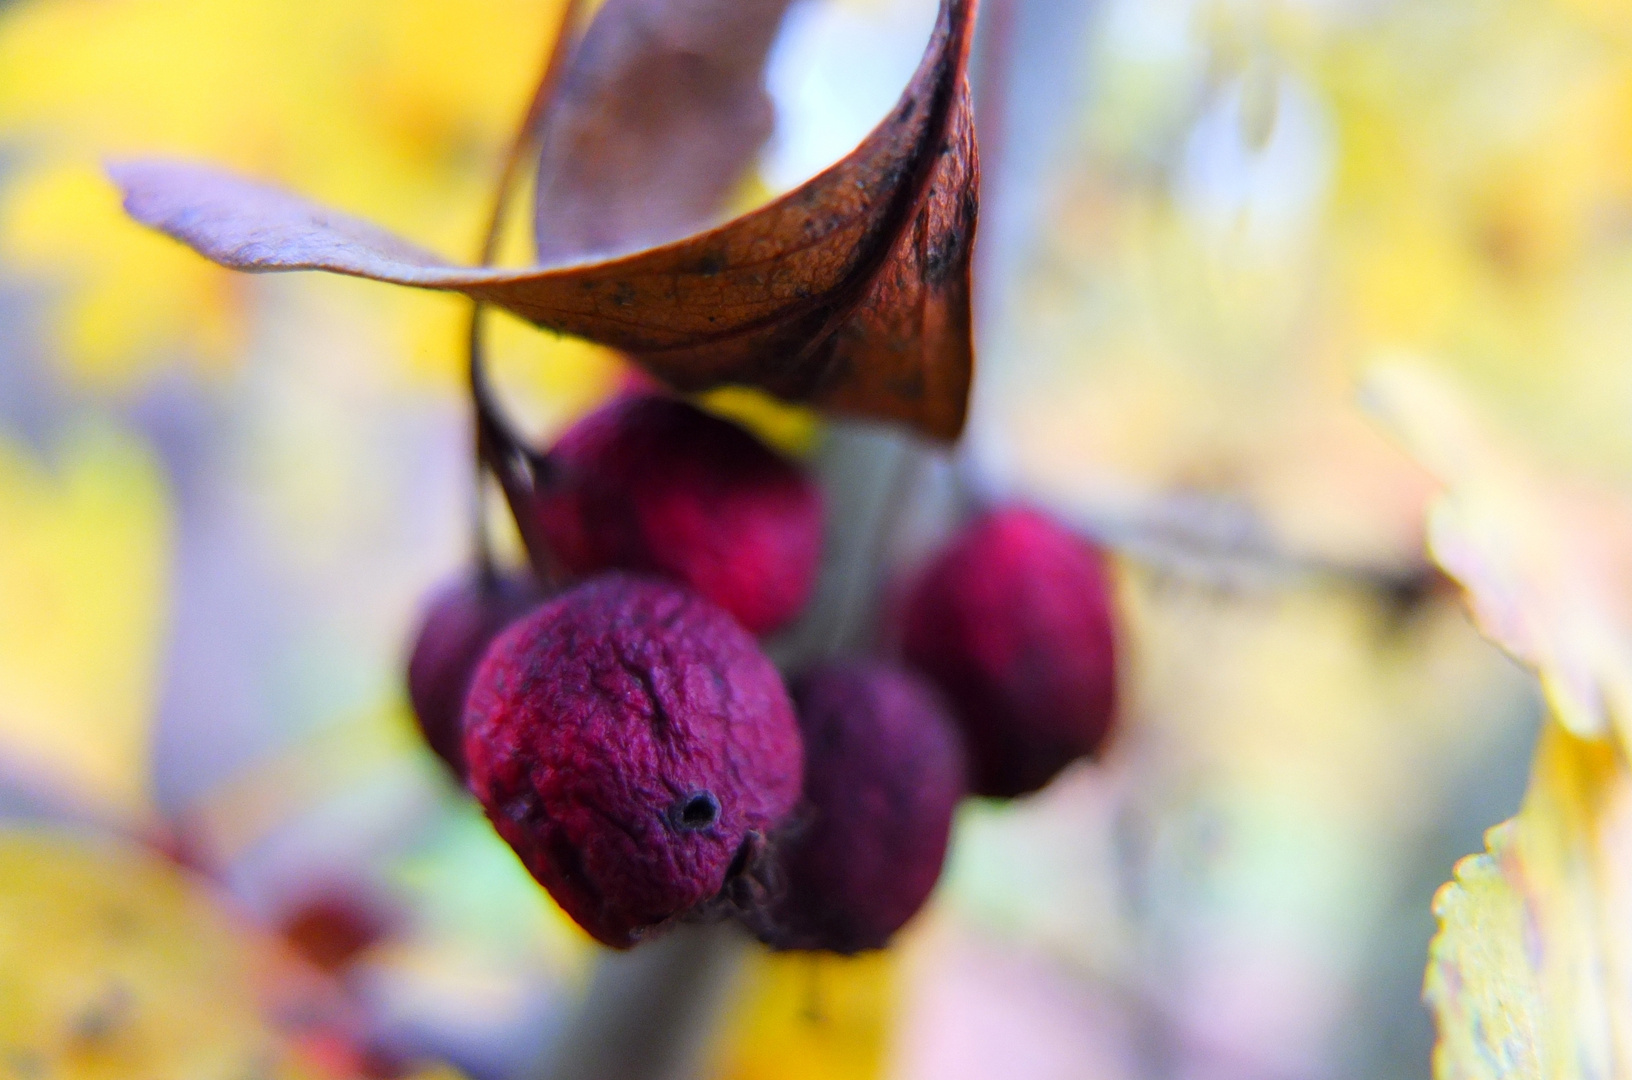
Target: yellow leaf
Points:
(1546, 563)
(113, 963)
(810, 1016)
(1527, 976)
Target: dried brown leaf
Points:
(850, 292)
(660, 111)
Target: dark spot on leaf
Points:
(944, 255)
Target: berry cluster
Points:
(647, 762)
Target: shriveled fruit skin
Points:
(884, 771)
(650, 483)
(460, 619)
(1014, 621)
(634, 746)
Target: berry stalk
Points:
(493, 434)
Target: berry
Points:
(1013, 621)
(634, 746)
(883, 773)
(460, 619)
(652, 484)
(334, 923)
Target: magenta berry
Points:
(653, 484)
(634, 746)
(460, 619)
(1013, 621)
(884, 771)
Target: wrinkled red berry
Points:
(1013, 621)
(634, 746)
(460, 619)
(653, 484)
(884, 771)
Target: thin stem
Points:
(495, 438)
(1225, 545)
(517, 467)
(855, 606)
(1215, 539)
(649, 1013)
(531, 122)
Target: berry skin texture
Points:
(652, 484)
(460, 619)
(884, 770)
(634, 746)
(1013, 621)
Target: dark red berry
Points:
(634, 746)
(884, 771)
(461, 618)
(1013, 621)
(332, 924)
(653, 484)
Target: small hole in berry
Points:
(698, 811)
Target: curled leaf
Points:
(1527, 975)
(1546, 563)
(660, 110)
(850, 292)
